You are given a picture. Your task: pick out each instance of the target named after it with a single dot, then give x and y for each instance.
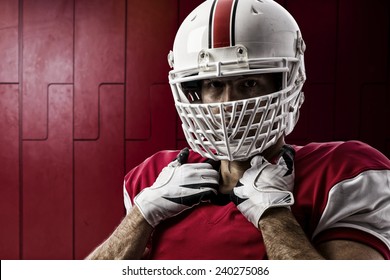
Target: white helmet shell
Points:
(223, 38)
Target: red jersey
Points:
(341, 191)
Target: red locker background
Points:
(84, 98)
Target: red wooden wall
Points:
(84, 97)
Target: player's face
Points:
(236, 88)
(228, 89)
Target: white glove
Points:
(177, 188)
(265, 185)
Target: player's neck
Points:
(232, 171)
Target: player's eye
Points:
(250, 83)
(215, 84)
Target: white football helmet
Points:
(224, 38)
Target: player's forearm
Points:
(128, 241)
(283, 237)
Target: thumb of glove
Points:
(181, 158)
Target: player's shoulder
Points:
(343, 152)
(144, 174)
(331, 147)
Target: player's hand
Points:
(265, 185)
(178, 187)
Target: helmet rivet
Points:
(203, 59)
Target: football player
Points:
(241, 192)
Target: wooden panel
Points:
(320, 112)
(9, 41)
(318, 23)
(150, 33)
(48, 184)
(186, 7)
(99, 172)
(387, 150)
(363, 44)
(99, 58)
(374, 117)
(163, 128)
(282, 2)
(47, 58)
(316, 116)
(9, 172)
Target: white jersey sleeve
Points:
(360, 204)
(126, 198)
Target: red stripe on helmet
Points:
(222, 24)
